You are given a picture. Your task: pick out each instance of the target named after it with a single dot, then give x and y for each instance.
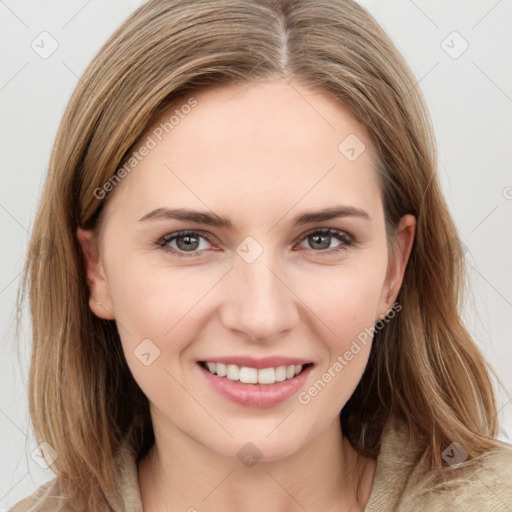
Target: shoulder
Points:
(404, 483)
(56, 496)
(482, 483)
(485, 480)
(45, 498)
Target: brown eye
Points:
(186, 242)
(320, 240)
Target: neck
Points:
(325, 474)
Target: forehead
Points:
(265, 146)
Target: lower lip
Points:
(256, 395)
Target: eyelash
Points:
(343, 237)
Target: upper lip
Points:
(252, 362)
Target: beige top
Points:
(402, 482)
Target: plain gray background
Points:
(459, 52)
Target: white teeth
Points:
(281, 373)
(233, 372)
(221, 369)
(253, 375)
(248, 375)
(266, 376)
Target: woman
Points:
(199, 343)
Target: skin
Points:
(259, 154)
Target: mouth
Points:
(250, 375)
(263, 387)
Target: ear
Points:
(100, 301)
(397, 263)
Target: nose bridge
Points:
(260, 304)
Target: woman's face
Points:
(264, 282)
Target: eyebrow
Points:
(186, 214)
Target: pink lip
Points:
(256, 395)
(265, 362)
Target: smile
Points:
(240, 383)
(248, 375)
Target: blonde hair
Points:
(424, 366)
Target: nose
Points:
(260, 303)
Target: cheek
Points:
(346, 306)
(158, 316)
(344, 300)
(162, 304)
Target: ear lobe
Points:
(398, 262)
(99, 300)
